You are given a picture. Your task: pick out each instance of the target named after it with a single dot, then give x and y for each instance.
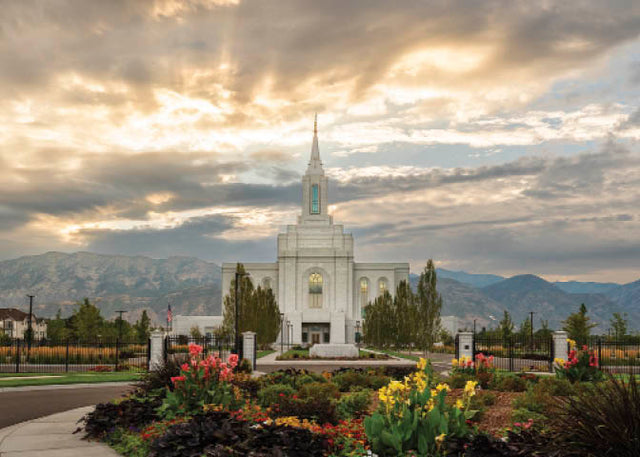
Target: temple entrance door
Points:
(315, 337)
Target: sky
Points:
(494, 137)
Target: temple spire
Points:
(315, 164)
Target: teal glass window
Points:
(315, 200)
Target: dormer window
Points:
(315, 199)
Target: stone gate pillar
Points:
(156, 350)
(560, 345)
(465, 342)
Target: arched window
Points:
(266, 283)
(315, 199)
(364, 292)
(382, 286)
(315, 290)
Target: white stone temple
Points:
(319, 287)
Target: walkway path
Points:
(18, 404)
(51, 436)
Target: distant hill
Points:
(192, 286)
(475, 280)
(112, 281)
(577, 287)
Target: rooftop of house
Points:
(15, 315)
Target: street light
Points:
(237, 326)
(30, 328)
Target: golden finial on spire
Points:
(315, 124)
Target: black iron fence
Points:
(616, 356)
(517, 353)
(177, 346)
(45, 356)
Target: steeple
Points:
(315, 164)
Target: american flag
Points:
(169, 314)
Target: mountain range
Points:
(192, 286)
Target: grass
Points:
(401, 355)
(260, 354)
(63, 378)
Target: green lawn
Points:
(63, 378)
(396, 354)
(264, 353)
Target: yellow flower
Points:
(470, 388)
(422, 364)
(571, 342)
(558, 361)
(454, 362)
(440, 438)
(442, 386)
(459, 404)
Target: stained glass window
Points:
(382, 286)
(315, 200)
(315, 290)
(364, 292)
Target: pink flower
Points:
(584, 347)
(517, 424)
(185, 367)
(233, 360)
(194, 349)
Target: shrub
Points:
(459, 380)
(521, 416)
(290, 376)
(247, 384)
(508, 382)
(245, 366)
(160, 378)
(270, 395)
(483, 399)
(604, 418)
(354, 404)
(218, 434)
(347, 380)
(319, 389)
(130, 413)
(128, 443)
(319, 409)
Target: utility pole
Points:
(282, 333)
(237, 324)
(30, 327)
(120, 312)
(532, 313)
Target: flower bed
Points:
(208, 407)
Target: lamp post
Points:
(30, 327)
(281, 333)
(357, 335)
(237, 324)
(532, 313)
(120, 312)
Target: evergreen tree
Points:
(142, 328)
(525, 329)
(619, 325)
(57, 330)
(544, 332)
(87, 323)
(195, 332)
(429, 304)
(506, 326)
(258, 310)
(403, 315)
(578, 326)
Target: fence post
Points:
(560, 345)
(148, 351)
(66, 358)
(510, 351)
(600, 352)
(117, 352)
(249, 347)
(465, 345)
(17, 355)
(157, 354)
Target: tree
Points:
(142, 328)
(195, 332)
(429, 304)
(87, 323)
(57, 328)
(506, 326)
(619, 324)
(577, 325)
(525, 329)
(544, 332)
(258, 310)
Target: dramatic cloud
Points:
(497, 136)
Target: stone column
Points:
(560, 345)
(249, 347)
(156, 350)
(465, 340)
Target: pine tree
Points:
(578, 327)
(142, 327)
(506, 326)
(57, 328)
(619, 325)
(429, 304)
(87, 323)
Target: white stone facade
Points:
(182, 325)
(319, 287)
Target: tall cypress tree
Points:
(429, 304)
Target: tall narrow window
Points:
(315, 200)
(364, 292)
(315, 290)
(382, 286)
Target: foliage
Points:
(160, 378)
(354, 404)
(195, 332)
(142, 328)
(619, 324)
(245, 366)
(581, 366)
(506, 326)
(128, 443)
(134, 412)
(270, 395)
(413, 416)
(319, 409)
(202, 381)
(348, 380)
(459, 380)
(258, 311)
(604, 418)
(429, 304)
(218, 434)
(57, 328)
(87, 321)
(578, 325)
(319, 389)
(508, 382)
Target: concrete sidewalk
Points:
(51, 436)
